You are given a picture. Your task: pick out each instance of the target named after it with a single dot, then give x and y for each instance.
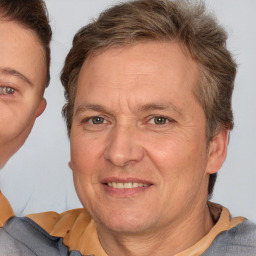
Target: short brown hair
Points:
(163, 20)
(33, 15)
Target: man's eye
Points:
(159, 120)
(5, 90)
(97, 120)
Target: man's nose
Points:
(124, 146)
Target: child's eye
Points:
(6, 90)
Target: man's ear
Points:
(217, 151)
(41, 107)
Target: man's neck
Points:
(169, 241)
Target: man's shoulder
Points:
(21, 236)
(244, 234)
(47, 233)
(60, 224)
(239, 240)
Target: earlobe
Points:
(41, 107)
(217, 151)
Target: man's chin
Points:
(128, 225)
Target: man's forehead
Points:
(129, 57)
(163, 81)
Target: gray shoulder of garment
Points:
(238, 241)
(22, 236)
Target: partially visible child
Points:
(25, 36)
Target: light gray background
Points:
(38, 179)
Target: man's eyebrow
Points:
(13, 72)
(92, 107)
(159, 106)
(142, 108)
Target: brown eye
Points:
(5, 90)
(159, 120)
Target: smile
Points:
(126, 185)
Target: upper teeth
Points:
(126, 184)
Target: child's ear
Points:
(41, 107)
(70, 164)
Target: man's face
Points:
(22, 81)
(138, 146)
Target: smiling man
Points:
(140, 156)
(148, 88)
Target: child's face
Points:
(22, 82)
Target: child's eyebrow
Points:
(13, 72)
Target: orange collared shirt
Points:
(79, 232)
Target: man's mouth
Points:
(124, 188)
(126, 185)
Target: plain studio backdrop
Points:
(38, 178)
